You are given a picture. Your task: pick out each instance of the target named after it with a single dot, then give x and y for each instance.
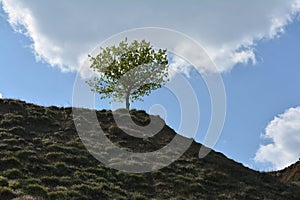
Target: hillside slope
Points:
(42, 157)
(290, 174)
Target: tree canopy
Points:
(128, 71)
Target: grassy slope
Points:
(42, 157)
(290, 174)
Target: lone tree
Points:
(128, 71)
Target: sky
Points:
(255, 47)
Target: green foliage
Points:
(36, 190)
(5, 135)
(27, 181)
(114, 129)
(3, 181)
(137, 196)
(53, 181)
(53, 156)
(69, 194)
(13, 174)
(11, 119)
(58, 195)
(62, 169)
(17, 130)
(8, 163)
(90, 191)
(6, 193)
(85, 175)
(128, 71)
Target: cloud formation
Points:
(1, 96)
(64, 32)
(284, 131)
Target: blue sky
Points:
(261, 79)
(258, 93)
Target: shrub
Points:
(39, 119)
(97, 171)
(54, 156)
(58, 195)
(35, 160)
(137, 196)
(11, 141)
(23, 154)
(8, 163)
(36, 190)
(27, 197)
(60, 166)
(69, 194)
(15, 184)
(61, 169)
(11, 119)
(6, 193)
(120, 197)
(50, 181)
(28, 181)
(13, 116)
(114, 129)
(89, 191)
(3, 181)
(9, 123)
(84, 175)
(14, 148)
(3, 147)
(4, 135)
(18, 130)
(13, 174)
(53, 181)
(141, 120)
(37, 141)
(62, 149)
(39, 170)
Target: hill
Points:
(42, 157)
(290, 174)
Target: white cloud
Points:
(284, 131)
(178, 65)
(1, 96)
(63, 32)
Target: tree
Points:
(128, 71)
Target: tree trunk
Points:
(127, 102)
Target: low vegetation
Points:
(42, 157)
